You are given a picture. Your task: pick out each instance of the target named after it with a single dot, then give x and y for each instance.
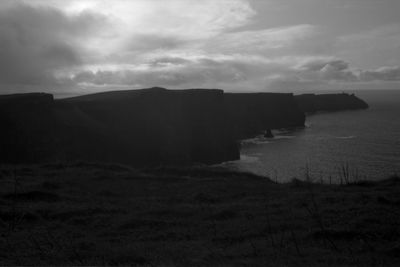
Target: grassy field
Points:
(89, 214)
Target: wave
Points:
(260, 140)
(248, 159)
(243, 159)
(284, 137)
(256, 141)
(329, 137)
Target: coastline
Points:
(331, 140)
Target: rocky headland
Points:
(311, 103)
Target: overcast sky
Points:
(235, 45)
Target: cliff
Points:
(150, 126)
(137, 127)
(329, 102)
(251, 114)
(161, 126)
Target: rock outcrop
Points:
(311, 103)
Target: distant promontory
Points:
(311, 103)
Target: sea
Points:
(333, 147)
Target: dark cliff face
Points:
(138, 127)
(252, 113)
(329, 102)
(161, 126)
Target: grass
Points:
(96, 214)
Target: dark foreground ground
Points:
(87, 214)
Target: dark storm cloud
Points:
(37, 41)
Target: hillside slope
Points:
(91, 215)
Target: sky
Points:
(237, 45)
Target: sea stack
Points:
(268, 134)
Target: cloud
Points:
(232, 71)
(257, 41)
(44, 42)
(36, 41)
(381, 74)
(138, 78)
(189, 18)
(238, 72)
(373, 48)
(327, 69)
(148, 42)
(177, 43)
(168, 61)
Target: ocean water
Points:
(365, 142)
